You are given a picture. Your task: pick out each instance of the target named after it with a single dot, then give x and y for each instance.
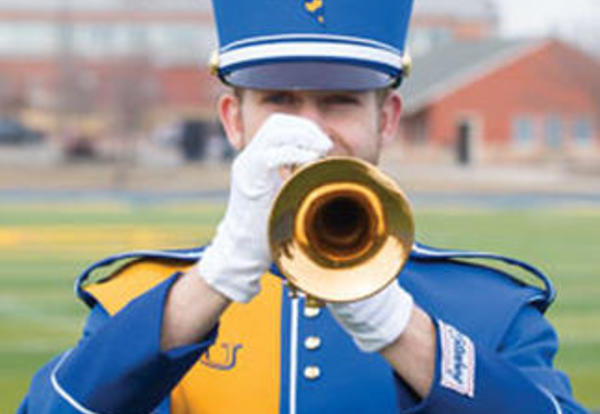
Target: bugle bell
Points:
(340, 230)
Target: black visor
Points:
(309, 76)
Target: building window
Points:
(28, 38)
(553, 131)
(522, 132)
(582, 131)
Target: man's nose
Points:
(311, 111)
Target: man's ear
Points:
(391, 110)
(230, 114)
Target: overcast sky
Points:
(535, 17)
(573, 19)
(519, 17)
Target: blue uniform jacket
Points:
(494, 350)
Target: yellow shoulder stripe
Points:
(133, 280)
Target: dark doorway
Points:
(193, 140)
(463, 142)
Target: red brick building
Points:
(98, 59)
(499, 100)
(470, 94)
(51, 54)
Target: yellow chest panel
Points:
(241, 372)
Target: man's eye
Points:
(279, 99)
(342, 100)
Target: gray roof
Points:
(465, 9)
(453, 65)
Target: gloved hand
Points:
(377, 321)
(239, 253)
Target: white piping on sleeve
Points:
(293, 354)
(552, 398)
(60, 390)
(434, 253)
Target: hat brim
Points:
(309, 75)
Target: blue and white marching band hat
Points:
(312, 44)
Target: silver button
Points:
(311, 312)
(312, 342)
(312, 372)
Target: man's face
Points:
(358, 123)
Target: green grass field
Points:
(44, 247)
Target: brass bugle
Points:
(340, 230)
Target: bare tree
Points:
(134, 87)
(134, 96)
(12, 99)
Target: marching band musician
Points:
(208, 330)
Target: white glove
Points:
(239, 253)
(375, 322)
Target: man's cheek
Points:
(340, 151)
(342, 145)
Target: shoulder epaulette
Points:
(419, 252)
(190, 255)
(422, 252)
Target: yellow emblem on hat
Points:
(315, 7)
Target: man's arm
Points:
(448, 371)
(517, 378)
(231, 266)
(412, 354)
(118, 365)
(192, 309)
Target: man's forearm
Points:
(192, 309)
(412, 355)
